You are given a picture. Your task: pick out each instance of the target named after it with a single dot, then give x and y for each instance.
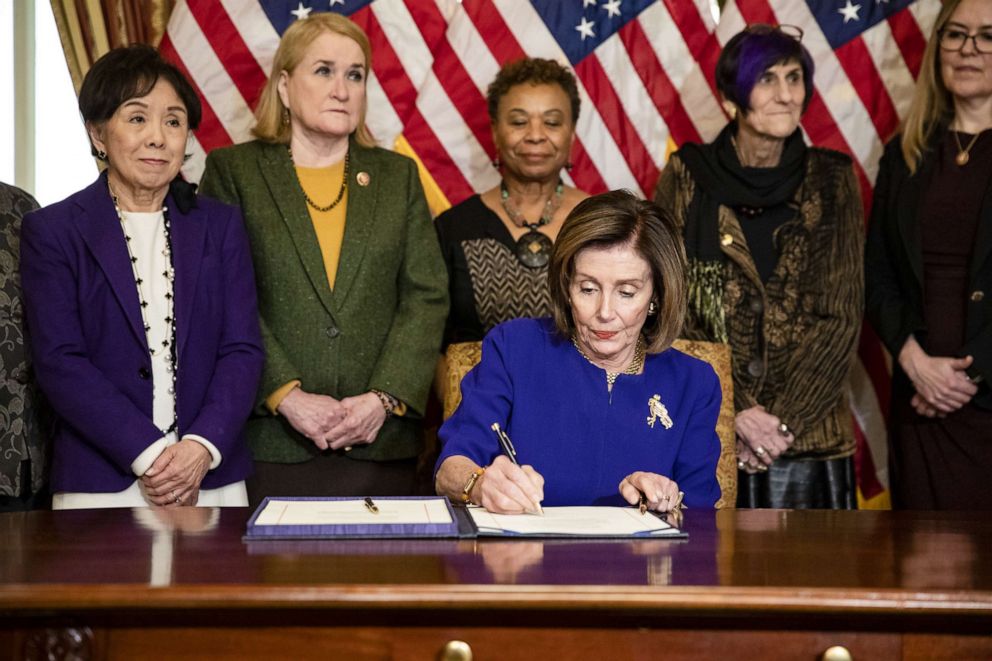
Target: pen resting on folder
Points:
(511, 453)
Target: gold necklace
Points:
(962, 158)
(344, 184)
(635, 367)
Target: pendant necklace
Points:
(635, 367)
(533, 248)
(963, 157)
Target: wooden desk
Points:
(749, 583)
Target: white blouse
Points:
(148, 244)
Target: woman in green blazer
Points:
(352, 288)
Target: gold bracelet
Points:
(472, 479)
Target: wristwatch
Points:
(470, 484)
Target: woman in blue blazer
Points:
(141, 309)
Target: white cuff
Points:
(148, 456)
(215, 457)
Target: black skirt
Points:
(800, 484)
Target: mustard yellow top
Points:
(322, 185)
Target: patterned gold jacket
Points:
(793, 338)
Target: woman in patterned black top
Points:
(496, 245)
(774, 238)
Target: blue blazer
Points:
(88, 342)
(584, 440)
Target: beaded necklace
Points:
(168, 344)
(344, 185)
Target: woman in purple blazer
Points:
(140, 301)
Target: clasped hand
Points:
(174, 477)
(942, 384)
(334, 424)
(760, 440)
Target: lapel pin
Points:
(658, 411)
(363, 178)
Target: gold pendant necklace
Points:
(635, 367)
(962, 158)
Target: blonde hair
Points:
(619, 218)
(932, 105)
(270, 114)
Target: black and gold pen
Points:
(511, 453)
(371, 506)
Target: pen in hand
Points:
(511, 453)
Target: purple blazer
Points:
(90, 354)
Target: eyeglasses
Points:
(953, 39)
(792, 31)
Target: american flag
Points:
(645, 74)
(637, 64)
(226, 48)
(867, 55)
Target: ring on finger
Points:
(783, 429)
(760, 451)
(740, 464)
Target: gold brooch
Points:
(363, 178)
(658, 412)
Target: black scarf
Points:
(721, 180)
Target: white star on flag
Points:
(585, 28)
(301, 11)
(850, 12)
(612, 8)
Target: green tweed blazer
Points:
(380, 327)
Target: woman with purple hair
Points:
(774, 235)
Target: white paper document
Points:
(574, 522)
(353, 512)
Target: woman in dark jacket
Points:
(928, 268)
(774, 236)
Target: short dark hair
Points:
(619, 218)
(535, 71)
(750, 53)
(131, 72)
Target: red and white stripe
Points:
(634, 89)
(226, 48)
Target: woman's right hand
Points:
(941, 382)
(312, 415)
(760, 432)
(506, 488)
